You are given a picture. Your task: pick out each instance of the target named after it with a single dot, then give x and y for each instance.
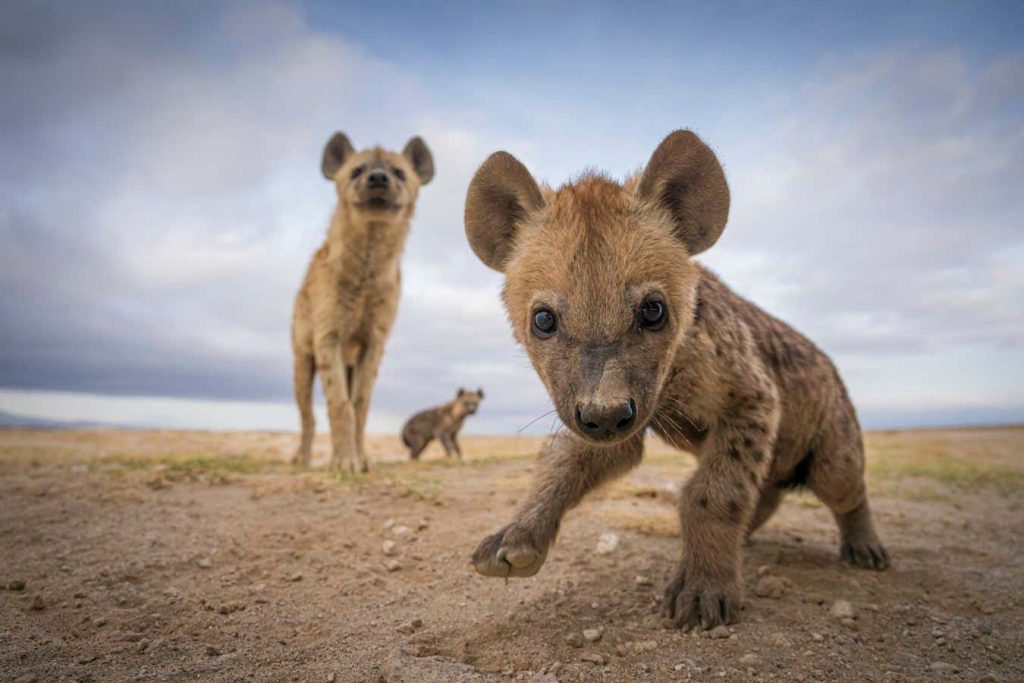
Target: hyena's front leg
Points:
(340, 411)
(364, 374)
(715, 508)
(568, 469)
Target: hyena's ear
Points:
(684, 177)
(418, 154)
(461, 392)
(337, 150)
(500, 195)
(480, 391)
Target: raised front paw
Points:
(510, 552)
(694, 598)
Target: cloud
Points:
(160, 199)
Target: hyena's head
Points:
(467, 402)
(376, 182)
(599, 286)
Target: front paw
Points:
(510, 552)
(694, 598)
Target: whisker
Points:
(528, 424)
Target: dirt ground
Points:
(152, 555)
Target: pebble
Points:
(38, 604)
(594, 658)
(592, 635)
(204, 563)
(750, 659)
(644, 646)
(642, 580)
(607, 543)
(849, 623)
(389, 548)
(718, 632)
(574, 639)
(211, 651)
(842, 609)
(297, 576)
(770, 587)
(332, 677)
(401, 530)
(392, 565)
(389, 523)
(817, 637)
(16, 585)
(410, 626)
(942, 667)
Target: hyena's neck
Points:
(371, 244)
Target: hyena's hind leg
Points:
(835, 473)
(767, 504)
(305, 368)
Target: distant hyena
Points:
(442, 423)
(627, 332)
(348, 301)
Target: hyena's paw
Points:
(510, 552)
(690, 599)
(864, 550)
(301, 458)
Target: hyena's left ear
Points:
(685, 178)
(418, 154)
(461, 392)
(480, 392)
(501, 194)
(338, 149)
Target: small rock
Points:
(849, 623)
(652, 623)
(718, 632)
(645, 646)
(770, 587)
(406, 628)
(332, 677)
(607, 543)
(817, 637)
(389, 523)
(592, 635)
(401, 530)
(389, 547)
(211, 651)
(392, 565)
(38, 604)
(842, 609)
(594, 658)
(942, 667)
(764, 570)
(641, 580)
(574, 639)
(297, 576)
(16, 585)
(750, 659)
(204, 563)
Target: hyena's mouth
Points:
(378, 204)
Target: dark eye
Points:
(356, 172)
(399, 173)
(544, 323)
(651, 315)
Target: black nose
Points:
(601, 420)
(377, 179)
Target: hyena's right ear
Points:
(685, 178)
(500, 195)
(337, 150)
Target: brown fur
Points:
(442, 423)
(348, 301)
(761, 406)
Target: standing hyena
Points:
(442, 423)
(347, 303)
(627, 332)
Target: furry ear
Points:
(500, 195)
(685, 178)
(337, 150)
(418, 154)
(461, 392)
(481, 392)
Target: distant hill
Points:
(15, 421)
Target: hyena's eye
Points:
(356, 172)
(399, 173)
(544, 323)
(651, 315)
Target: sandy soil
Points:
(145, 555)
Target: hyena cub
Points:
(347, 303)
(628, 332)
(442, 423)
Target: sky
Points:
(160, 192)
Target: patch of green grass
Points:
(894, 461)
